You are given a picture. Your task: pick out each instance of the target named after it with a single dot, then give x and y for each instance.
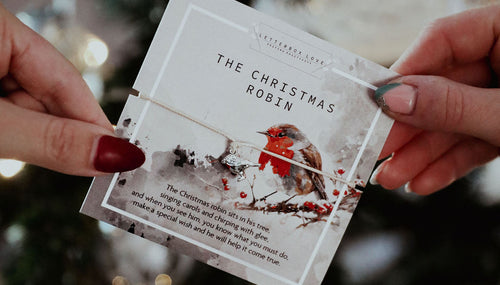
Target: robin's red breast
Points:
(287, 140)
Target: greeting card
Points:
(259, 139)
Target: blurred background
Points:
(451, 237)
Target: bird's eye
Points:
(280, 135)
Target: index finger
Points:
(45, 74)
(460, 39)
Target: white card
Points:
(221, 85)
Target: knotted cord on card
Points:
(235, 143)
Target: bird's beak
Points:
(263, 133)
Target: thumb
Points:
(64, 145)
(439, 104)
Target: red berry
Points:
(243, 195)
(310, 205)
(224, 181)
(321, 210)
(336, 192)
(345, 192)
(341, 171)
(329, 207)
(226, 187)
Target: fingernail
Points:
(397, 98)
(408, 188)
(117, 155)
(373, 178)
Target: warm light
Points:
(96, 52)
(9, 167)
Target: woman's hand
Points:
(447, 104)
(49, 117)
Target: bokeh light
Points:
(10, 167)
(96, 52)
(14, 234)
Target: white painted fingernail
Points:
(407, 188)
(373, 178)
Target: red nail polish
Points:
(117, 155)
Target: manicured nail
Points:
(408, 188)
(117, 155)
(373, 178)
(397, 98)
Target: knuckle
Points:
(438, 24)
(59, 140)
(454, 107)
(436, 34)
(435, 29)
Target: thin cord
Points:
(242, 143)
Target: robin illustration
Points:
(287, 140)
